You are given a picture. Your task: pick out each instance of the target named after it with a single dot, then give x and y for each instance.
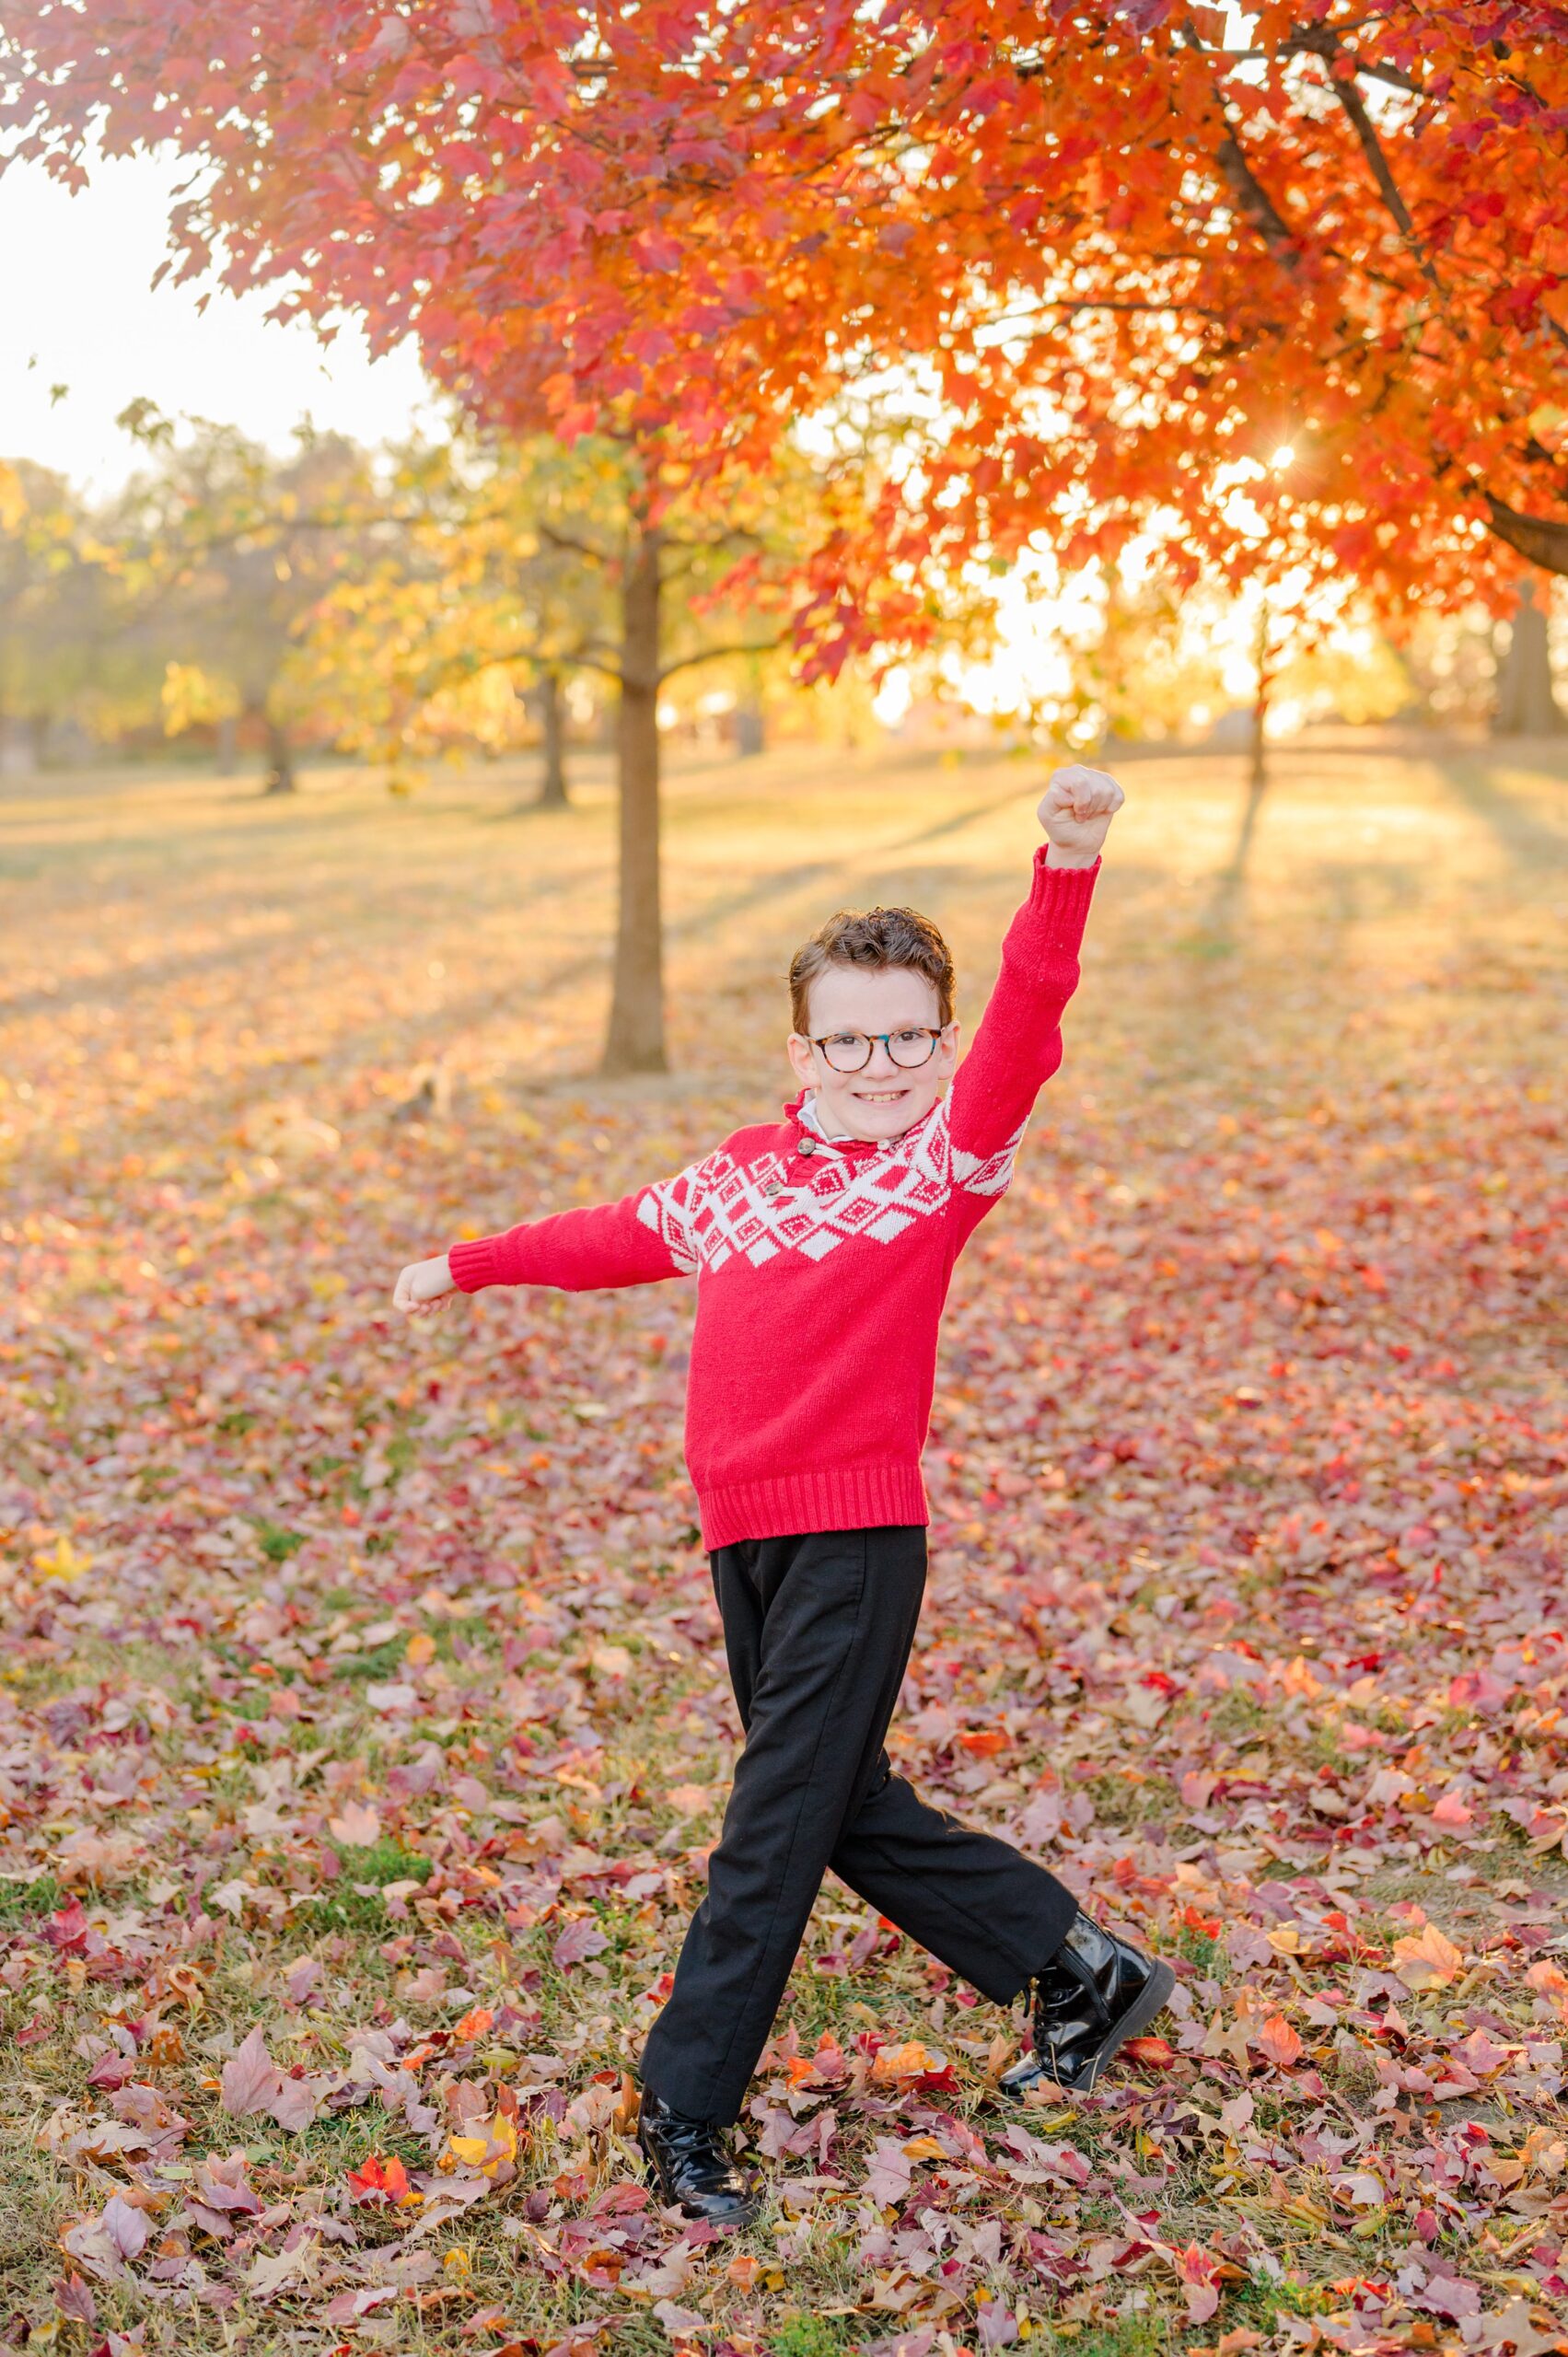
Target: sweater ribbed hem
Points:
(473, 1265)
(841, 1497)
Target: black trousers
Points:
(818, 1630)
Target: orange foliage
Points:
(1125, 255)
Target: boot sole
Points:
(1145, 2007)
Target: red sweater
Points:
(822, 1267)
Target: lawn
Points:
(362, 1725)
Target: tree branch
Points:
(1246, 187)
(716, 654)
(711, 540)
(1256, 204)
(579, 547)
(1360, 123)
(473, 667)
(1541, 540)
(1326, 42)
(1162, 308)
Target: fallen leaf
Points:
(677, 2321)
(381, 2179)
(358, 1825)
(581, 1938)
(126, 2227)
(488, 2149)
(1277, 2042)
(911, 2061)
(250, 2078)
(74, 2298)
(1429, 1960)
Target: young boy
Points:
(823, 1246)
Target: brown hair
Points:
(872, 937)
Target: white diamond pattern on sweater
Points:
(722, 1207)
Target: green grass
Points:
(346, 1909)
(276, 1543)
(377, 1663)
(810, 2336)
(20, 1901)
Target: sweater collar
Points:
(811, 1138)
(810, 1116)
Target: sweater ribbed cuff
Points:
(475, 1265)
(1062, 896)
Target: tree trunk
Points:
(228, 744)
(279, 759)
(1257, 776)
(750, 728)
(17, 757)
(552, 795)
(1526, 704)
(634, 1041)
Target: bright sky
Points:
(78, 311)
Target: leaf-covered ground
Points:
(362, 1727)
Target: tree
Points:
(1094, 267)
(528, 558)
(1527, 701)
(1129, 255)
(317, 140)
(472, 590)
(228, 553)
(551, 698)
(46, 572)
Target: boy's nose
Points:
(880, 1063)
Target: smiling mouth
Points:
(880, 1096)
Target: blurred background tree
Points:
(56, 617)
(502, 566)
(228, 553)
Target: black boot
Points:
(1093, 1994)
(689, 2162)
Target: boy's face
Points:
(884, 1098)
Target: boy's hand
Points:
(1076, 810)
(423, 1289)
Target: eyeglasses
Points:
(851, 1050)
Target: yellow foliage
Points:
(489, 2149)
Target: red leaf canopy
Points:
(1120, 258)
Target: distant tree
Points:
(228, 551)
(535, 560)
(1527, 701)
(470, 593)
(48, 582)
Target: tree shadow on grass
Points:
(1529, 841)
(1213, 934)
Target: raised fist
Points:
(1077, 809)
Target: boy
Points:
(823, 1246)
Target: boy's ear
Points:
(799, 1052)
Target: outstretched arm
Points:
(636, 1241)
(1018, 1044)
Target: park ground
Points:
(363, 1726)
